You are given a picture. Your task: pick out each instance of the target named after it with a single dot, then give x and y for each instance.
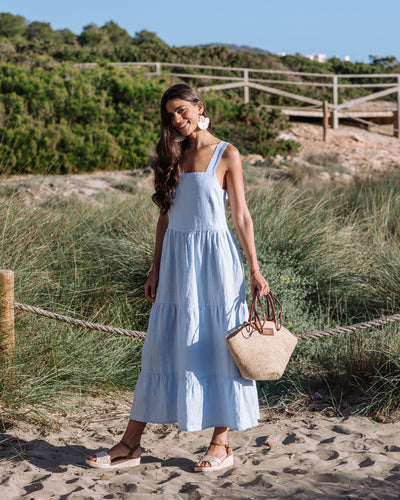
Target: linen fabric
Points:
(188, 375)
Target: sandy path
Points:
(360, 152)
(301, 457)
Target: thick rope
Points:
(352, 328)
(133, 333)
(78, 322)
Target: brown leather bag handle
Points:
(271, 315)
(256, 323)
(272, 302)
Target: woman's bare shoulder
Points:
(232, 156)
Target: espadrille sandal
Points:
(215, 462)
(104, 461)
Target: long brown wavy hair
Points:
(170, 152)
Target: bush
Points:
(67, 120)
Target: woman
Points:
(198, 289)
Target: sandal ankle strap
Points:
(132, 449)
(227, 446)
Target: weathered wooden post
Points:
(335, 117)
(396, 114)
(7, 336)
(246, 88)
(325, 119)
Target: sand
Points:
(305, 456)
(359, 153)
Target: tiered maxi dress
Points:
(188, 375)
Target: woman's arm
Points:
(241, 217)
(150, 287)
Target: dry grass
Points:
(331, 256)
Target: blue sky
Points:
(356, 28)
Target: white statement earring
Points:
(203, 122)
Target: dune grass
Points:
(331, 256)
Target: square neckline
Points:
(208, 164)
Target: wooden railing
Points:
(263, 80)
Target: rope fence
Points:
(78, 322)
(348, 329)
(7, 307)
(133, 333)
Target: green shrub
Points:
(67, 120)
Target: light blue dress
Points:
(188, 375)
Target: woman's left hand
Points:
(259, 284)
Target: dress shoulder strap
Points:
(216, 157)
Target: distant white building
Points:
(317, 57)
(322, 57)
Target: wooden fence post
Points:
(325, 119)
(396, 114)
(335, 118)
(7, 336)
(246, 97)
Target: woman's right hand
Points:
(258, 283)
(150, 287)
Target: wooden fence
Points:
(271, 81)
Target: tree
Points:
(386, 62)
(12, 26)
(68, 37)
(91, 36)
(116, 34)
(146, 38)
(37, 32)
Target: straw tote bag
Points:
(262, 349)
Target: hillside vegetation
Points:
(56, 118)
